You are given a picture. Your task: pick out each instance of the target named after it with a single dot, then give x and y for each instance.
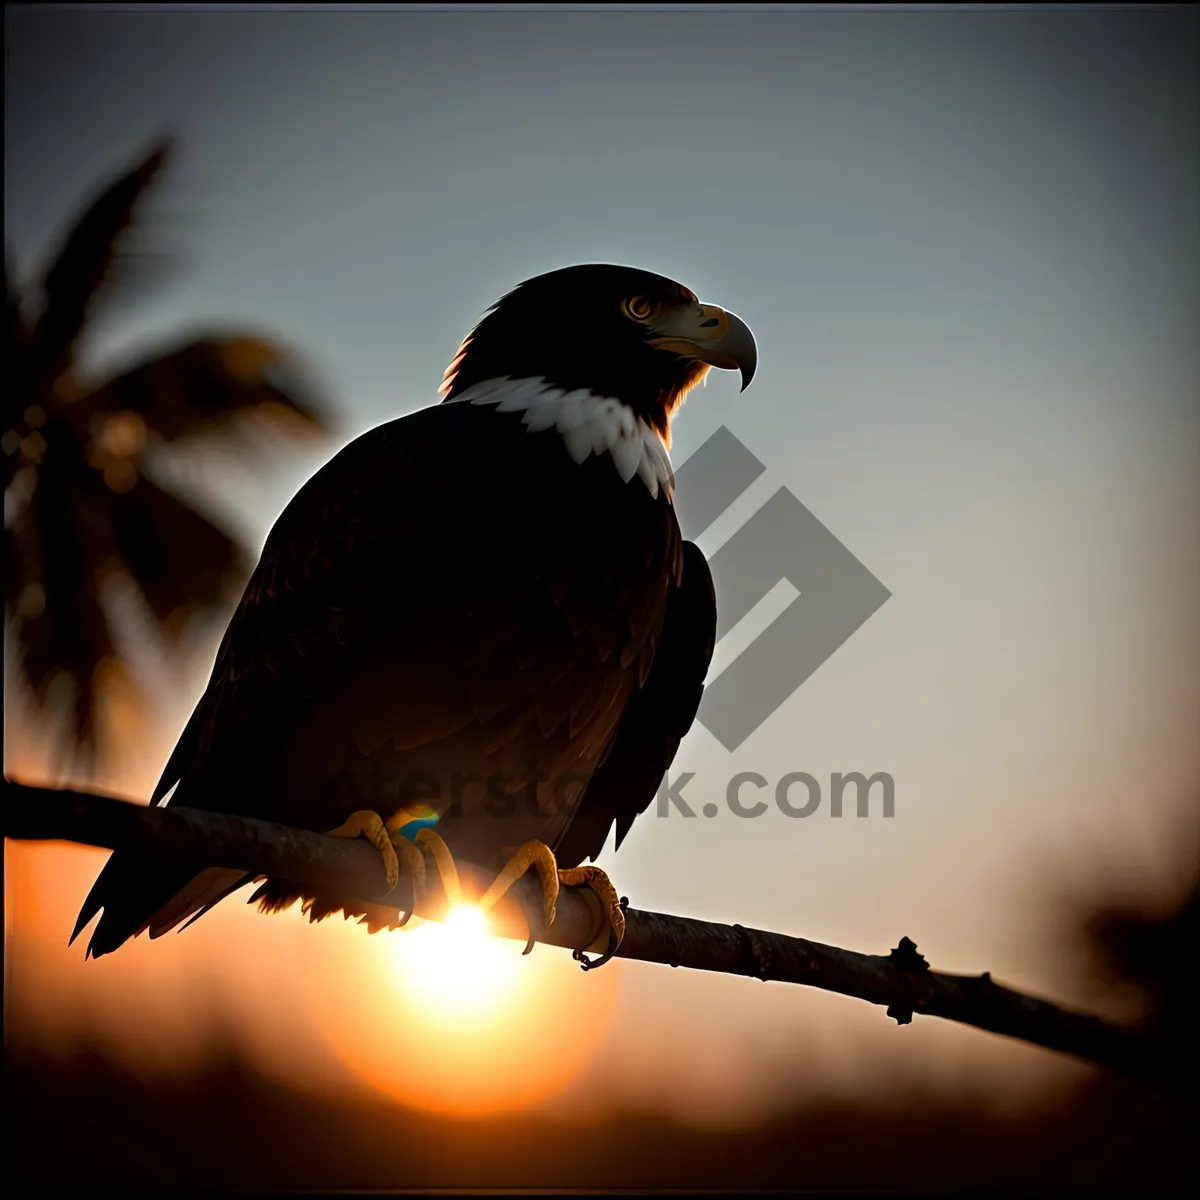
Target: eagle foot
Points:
(414, 865)
(435, 847)
(538, 854)
(370, 825)
(598, 882)
(528, 854)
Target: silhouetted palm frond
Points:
(80, 510)
(198, 385)
(87, 258)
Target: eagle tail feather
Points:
(129, 892)
(133, 897)
(241, 881)
(201, 893)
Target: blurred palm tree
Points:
(80, 511)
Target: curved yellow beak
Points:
(711, 335)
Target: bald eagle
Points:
(477, 632)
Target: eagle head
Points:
(611, 330)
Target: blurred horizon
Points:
(966, 242)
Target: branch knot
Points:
(906, 958)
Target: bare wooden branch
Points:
(901, 981)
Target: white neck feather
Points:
(589, 424)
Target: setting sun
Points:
(444, 1016)
(456, 968)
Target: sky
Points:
(966, 242)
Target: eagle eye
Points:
(639, 308)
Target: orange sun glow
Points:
(437, 1016)
(446, 1017)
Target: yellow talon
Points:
(370, 825)
(414, 863)
(528, 854)
(433, 844)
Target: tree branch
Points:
(901, 980)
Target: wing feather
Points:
(656, 718)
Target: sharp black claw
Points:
(590, 964)
(529, 924)
(412, 897)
